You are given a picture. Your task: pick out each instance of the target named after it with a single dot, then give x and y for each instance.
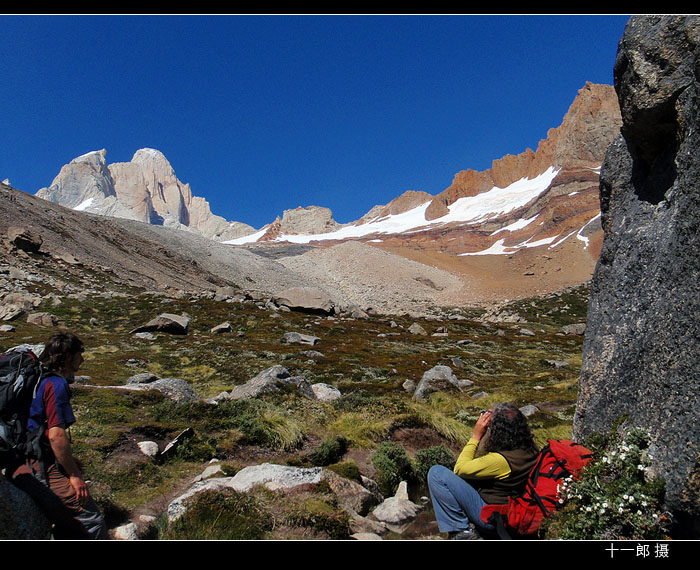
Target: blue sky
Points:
(265, 113)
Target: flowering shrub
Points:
(615, 497)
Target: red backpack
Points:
(522, 515)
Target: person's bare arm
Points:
(482, 424)
(60, 444)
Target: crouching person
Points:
(68, 505)
(507, 454)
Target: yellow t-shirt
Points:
(489, 466)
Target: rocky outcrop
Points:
(577, 145)
(24, 239)
(312, 220)
(21, 518)
(166, 322)
(641, 359)
(145, 189)
(305, 299)
(351, 496)
(439, 379)
(398, 511)
(309, 220)
(407, 201)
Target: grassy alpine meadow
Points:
(373, 427)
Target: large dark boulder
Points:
(641, 354)
(20, 517)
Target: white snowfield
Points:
(470, 210)
(84, 205)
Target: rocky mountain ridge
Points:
(577, 145)
(45, 246)
(565, 163)
(145, 189)
(529, 225)
(148, 190)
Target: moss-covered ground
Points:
(368, 360)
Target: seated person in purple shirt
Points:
(75, 515)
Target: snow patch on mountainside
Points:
(470, 210)
(499, 249)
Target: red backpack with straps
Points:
(522, 515)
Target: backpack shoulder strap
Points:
(497, 520)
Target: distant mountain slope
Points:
(534, 199)
(115, 254)
(566, 162)
(530, 224)
(83, 253)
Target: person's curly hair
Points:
(58, 348)
(508, 430)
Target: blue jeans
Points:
(455, 502)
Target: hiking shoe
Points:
(463, 535)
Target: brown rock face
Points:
(130, 189)
(407, 201)
(82, 180)
(145, 189)
(309, 220)
(588, 128)
(24, 239)
(529, 225)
